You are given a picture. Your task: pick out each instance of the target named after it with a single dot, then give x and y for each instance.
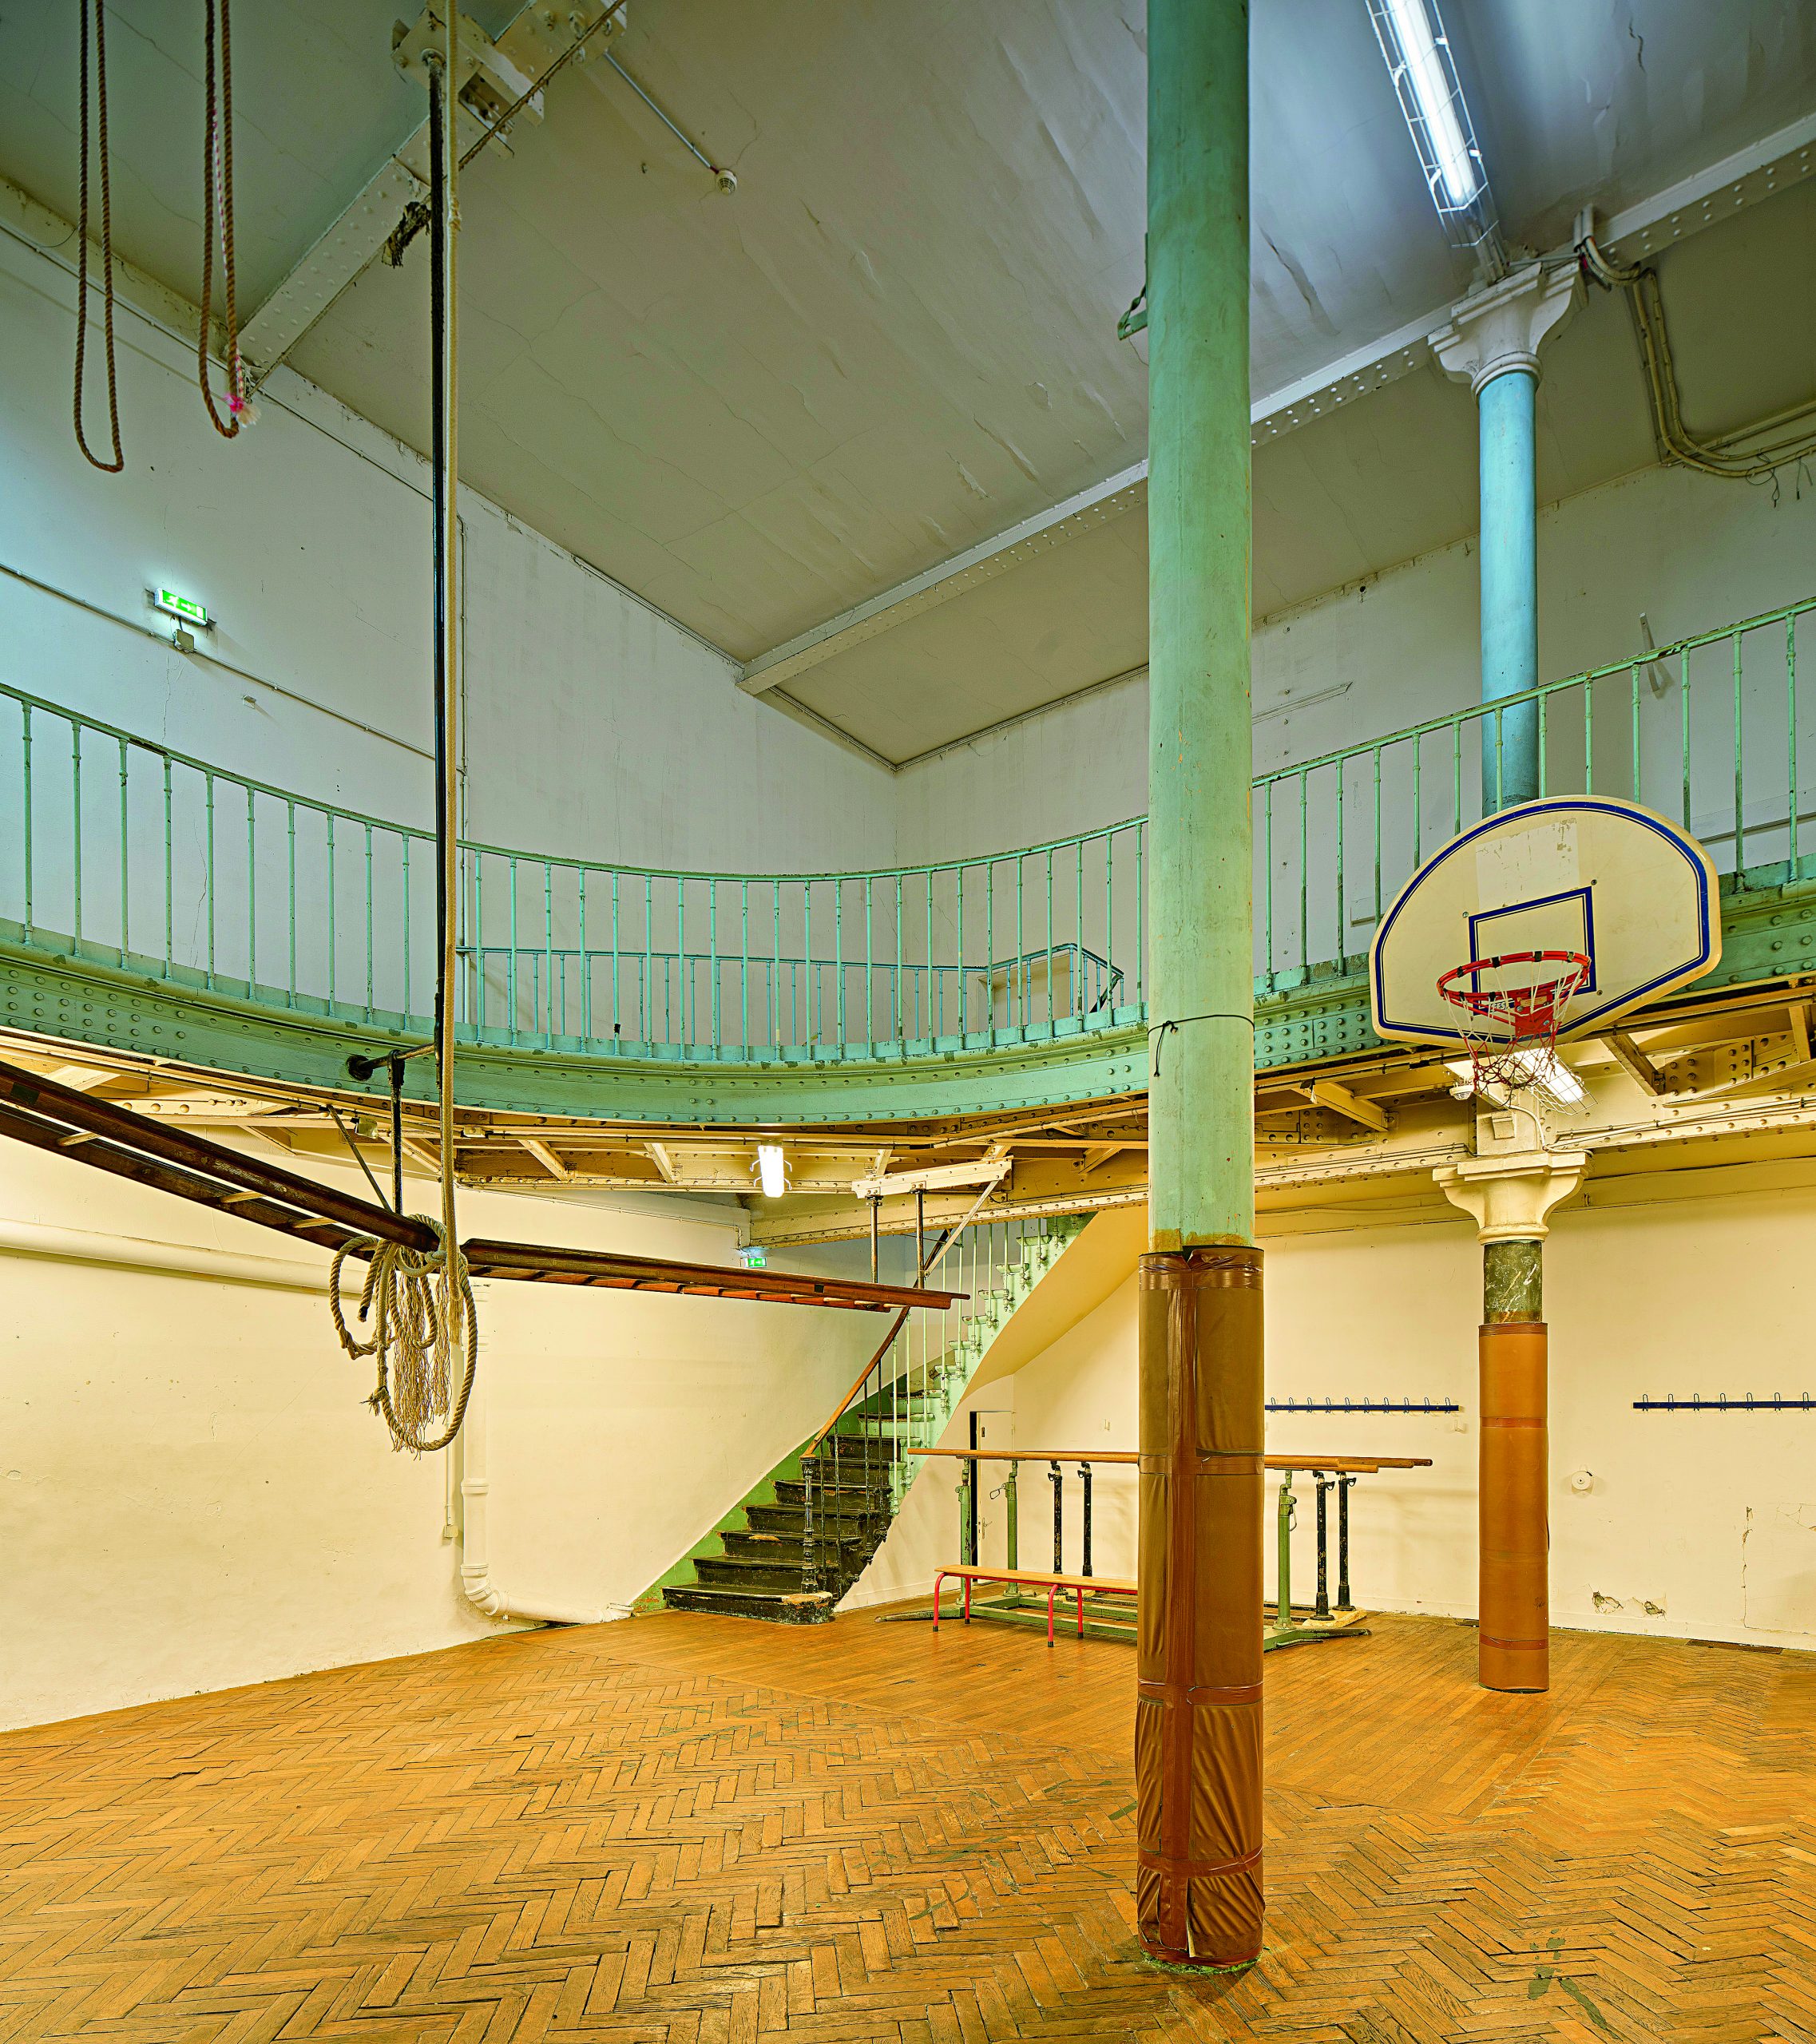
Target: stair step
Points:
(769, 1549)
(725, 1572)
(800, 1608)
(786, 1520)
(766, 1550)
(791, 1491)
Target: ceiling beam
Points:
(1634, 1063)
(1669, 216)
(982, 563)
(938, 1178)
(547, 1159)
(1340, 1100)
(342, 255)
(1716, 192)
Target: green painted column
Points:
(1198, 1714)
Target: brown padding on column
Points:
(1198, 1705)
(1513, 1645)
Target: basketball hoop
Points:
(1512, 1007)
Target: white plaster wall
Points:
(595, 726)
(1693, 553)
(193, 1495)
(1711, 1517)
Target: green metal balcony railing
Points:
(120, 850)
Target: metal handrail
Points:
(132, 852)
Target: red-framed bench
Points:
(1052, 1582)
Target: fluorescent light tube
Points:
(771, 1175)
(1431, 94)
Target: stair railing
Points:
(854, 1472)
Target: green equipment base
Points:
(1114, 1619)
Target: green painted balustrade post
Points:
(1198, 1712)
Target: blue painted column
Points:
(1491, 341)
(1507, 407)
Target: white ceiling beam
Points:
(1667, 217)
(546, 1158)
(521, 54)
(940, 1178)
(1717, 193)
(1046, 529)
(335, 261)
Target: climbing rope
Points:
(119, 461)
(418, 1304)
(217, 180)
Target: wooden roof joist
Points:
(50, 1116)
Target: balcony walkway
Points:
(1008, 981)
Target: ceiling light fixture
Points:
(771, 1175)
(1547, 1074)
(1419, 61)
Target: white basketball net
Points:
(1511, 1008)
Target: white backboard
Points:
(1567, 873)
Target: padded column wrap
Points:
(1513, 1646)
(1198, 1707)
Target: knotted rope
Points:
(418, 1304)
(217, 218)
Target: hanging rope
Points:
(419, 1303)
(119, 462)
(217, 184)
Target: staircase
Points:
(806, 1534)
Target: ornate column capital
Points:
(1509, 1195)
(1502, 328)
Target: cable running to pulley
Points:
(419, 1303)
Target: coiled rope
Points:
(119, 461)
(418, 1304)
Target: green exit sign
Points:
(173, 604)
(753, 1257)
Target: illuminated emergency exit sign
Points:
(174, 603)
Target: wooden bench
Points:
(1036, 1578)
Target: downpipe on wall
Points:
(471, 1483)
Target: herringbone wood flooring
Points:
(700, 1829)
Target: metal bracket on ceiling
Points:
(489, 82)
(495, 73)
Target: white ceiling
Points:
(897, 337)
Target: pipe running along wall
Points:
(1198, 1711)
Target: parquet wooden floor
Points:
(702, 1829)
